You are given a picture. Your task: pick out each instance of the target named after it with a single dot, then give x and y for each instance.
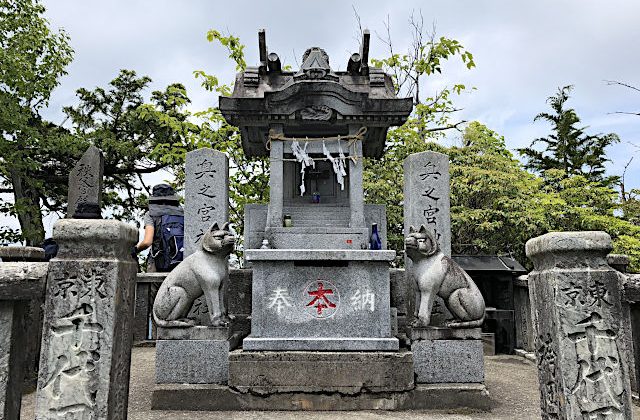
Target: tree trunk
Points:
(27, 206)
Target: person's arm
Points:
(147, 241)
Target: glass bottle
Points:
(374, 240)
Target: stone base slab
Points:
(344, 372)
(321, 344)
(197, 332)
(444, 333)
(192, 361)
(223, 398)
(448, 361)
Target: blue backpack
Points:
(168, 252)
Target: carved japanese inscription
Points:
(206, 194)
(74, 345)
(426, 195)
(577, 314)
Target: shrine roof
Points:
(314, 100)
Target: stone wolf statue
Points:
(437, 274)
(203, 272)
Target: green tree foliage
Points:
(32, 60)
(496, 206)
(568, 148)
(136, 137)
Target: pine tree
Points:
(568, 148)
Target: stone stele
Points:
(86, 339)
(85, 180)
(577, 327)
(206, 197)
(427, 202)
(426, 195)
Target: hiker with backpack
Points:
(163, 230)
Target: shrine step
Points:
(305, 371)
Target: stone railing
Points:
(20, 284)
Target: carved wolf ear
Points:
(225, 226)
(412, 229)
(214, 227)
(423, 229)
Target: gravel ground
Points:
(511, 381)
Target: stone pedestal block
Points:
(322, 372)
(86, 341)
(206, 195)
(577, 327)
(196, 355)
(448, 361)
(320, 300)
(192, 361)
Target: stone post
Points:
(426, 195)
(85, 180)
(19, 283)
(276, 188)
(427, 202)
(33, 312)
(356, 194)
(86, 340)
(577, 327)
(206, 195)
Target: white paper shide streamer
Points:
(305, 161)
(338, 164)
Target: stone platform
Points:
(222, 398)
(344, 372)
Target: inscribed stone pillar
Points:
(426, 195)
(206, 198)
(86, 339)
(577, 315)
(20, 282)
(85, 180)
(427, 202)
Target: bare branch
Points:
(615, 82)
(446, 127)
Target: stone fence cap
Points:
(566, 242)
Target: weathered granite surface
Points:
(21, 253)
(448, 361)
(577, 324)
(194, 333)
(344, 372)
(85, 180)
(443, 333)
(22, 280)
(12, 342)
(426, 195)
(86, 343)
(206, 195)
(309, 300)
(222, 398)
(192, 361)
(522, 314)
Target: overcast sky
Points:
(523, 51)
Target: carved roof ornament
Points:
(315, 65)
(314, 99)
